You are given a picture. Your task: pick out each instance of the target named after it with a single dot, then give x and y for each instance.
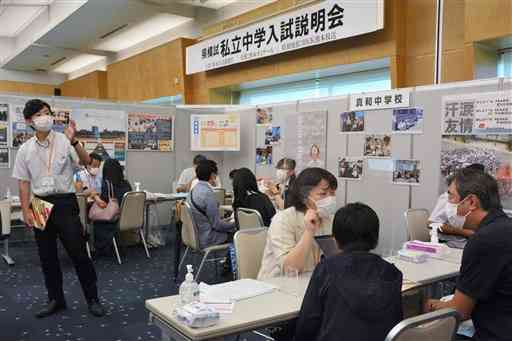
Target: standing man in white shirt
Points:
(188, 175)
(44, 167)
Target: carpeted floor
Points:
(123, 289)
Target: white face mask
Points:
(43, 123)
(453, 218)
(326, 207)
(93, 171)
(282, 175)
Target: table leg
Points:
(177, 249)
(5, 255)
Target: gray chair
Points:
(132, 218)
(248, 218)
(190, 237)
(220, 194)
(5, 212)
(82, 205)
(249, 247)
(416, 220)
(439, 325)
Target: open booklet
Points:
(42, 210)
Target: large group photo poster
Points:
(150, 132)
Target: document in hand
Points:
(233, 291)
(42, 210)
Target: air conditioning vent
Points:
(58, 61)
(117, 29)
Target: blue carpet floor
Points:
(123, 289)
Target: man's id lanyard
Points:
(48, 164)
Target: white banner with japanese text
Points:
(327, 21)
(398, 98)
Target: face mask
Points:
(43, 123)
(282, 175)
(326, 206)
(453, 218)
(93, 171)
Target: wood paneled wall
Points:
(92, 85)
(155, 73)
(27, 88)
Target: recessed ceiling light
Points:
(137, 33)
(78, 62)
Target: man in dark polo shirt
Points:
(484, 286)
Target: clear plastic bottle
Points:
(189, 289)
(434, 237)
(8, 193)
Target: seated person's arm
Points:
(448, 229)
(296, 258)
(460, 302)
(181, 189)
(213, 213)
(78, 186)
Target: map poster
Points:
(215, 132)
(150, 132)
(102, 131)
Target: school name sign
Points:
(327, 21)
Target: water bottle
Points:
(137, 186)
(434, 237)
(8, 193)
(189, 289)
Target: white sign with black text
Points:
(327, 21)
(380, 100)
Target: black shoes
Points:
(96, 309)
(52, 308)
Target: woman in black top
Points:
(247, 195)
(354, 295)
(104, 230)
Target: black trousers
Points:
(64, 223)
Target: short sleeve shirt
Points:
(32, 164)
(486, 277)
(284, 233)
(187, 176)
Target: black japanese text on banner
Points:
(327, 21)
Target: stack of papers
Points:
(233, 291)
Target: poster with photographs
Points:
(350, 168)
(4, 158)
(150, 132)
(408, 121)
(264, 115)
(482, 113)
(377, 145)
(264, 156)
(305, 142)
(352, 122)
(494, 152)
(4, 124)
(20, 131)
(61, 119)
(406, 172)
(103, 132)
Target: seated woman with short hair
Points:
(354, 295)
(290, 238)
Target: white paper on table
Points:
(233, 291)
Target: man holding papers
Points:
(44, 167)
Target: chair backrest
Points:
(189, 232)
(132, 211)
(416, 220)
(5, 212)
(220, 194)
(249, 247)
(82, 205)
(248, 218)
(440, 325)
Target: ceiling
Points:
(97, 30)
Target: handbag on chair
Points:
(109, 213)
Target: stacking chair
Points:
(220, 194)
(5, 212)
(190, 237)
(439, 325)
(249, 247)
(248, 218)
(82, 205)
(132, 218)
(416, 220)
